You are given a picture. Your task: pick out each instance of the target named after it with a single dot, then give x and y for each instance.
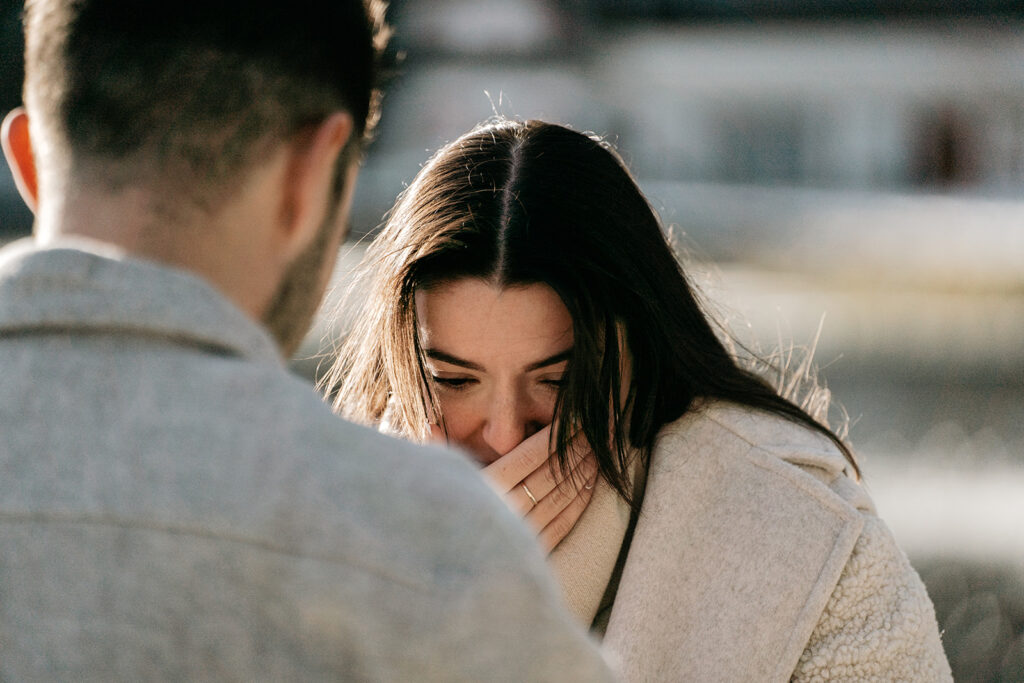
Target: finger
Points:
(520, 501)
(552, 505)
(558, 528)
(543, 480)
(531, 455)
(524, 495)
(514, 466)
(529, 493)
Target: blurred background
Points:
(844, 174)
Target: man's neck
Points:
(120, 219)
(128, 220)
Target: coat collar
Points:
(736, 551)
(85, 286)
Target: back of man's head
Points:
(182, 96)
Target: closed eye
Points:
(453, 382)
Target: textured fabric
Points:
(585, 559)
(756, 558)
(875, 626)
(175, 505)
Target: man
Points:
(173, 504)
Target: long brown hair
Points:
(514, 203)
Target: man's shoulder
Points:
(161, 406)
(155, 434)
(349, 488)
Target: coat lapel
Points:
(734, 557)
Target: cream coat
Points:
(755, 558)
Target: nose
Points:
(510, 420)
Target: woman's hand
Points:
(550, 502)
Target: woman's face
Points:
(497, 356)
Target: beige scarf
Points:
(585, 559)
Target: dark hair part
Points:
(195, 91)
(516, 203)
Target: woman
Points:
(522, 299)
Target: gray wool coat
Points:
(175, 505)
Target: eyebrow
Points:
(444, 357)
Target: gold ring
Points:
(528, 494)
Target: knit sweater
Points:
(755, 557)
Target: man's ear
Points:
(18, 149)
(309, 181)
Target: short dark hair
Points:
(196, 89)
(516, 203)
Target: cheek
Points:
(461, 417)
(543, 403)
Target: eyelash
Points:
(458, 383)
(452, 382)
